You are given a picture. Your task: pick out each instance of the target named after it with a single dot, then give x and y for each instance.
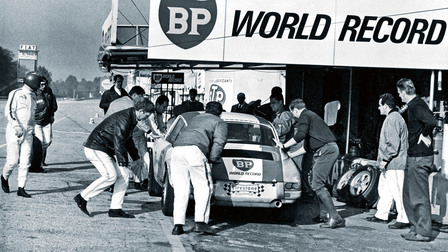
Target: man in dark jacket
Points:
(241, 106)
(46, 106)
(113, 137)
(420, 159)
(193, 104)
(115, 92)
(198, 144)
(320, 140)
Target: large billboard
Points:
(401, 34)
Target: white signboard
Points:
(383, 33)
(27, 52)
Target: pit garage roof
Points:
(135, 57)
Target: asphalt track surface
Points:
(51, 221)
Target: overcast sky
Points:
(67, 33)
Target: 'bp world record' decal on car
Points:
(244, 169)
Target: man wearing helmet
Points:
(19, 110)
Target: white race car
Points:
(254, 172)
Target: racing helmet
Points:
(32, 80)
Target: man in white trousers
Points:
(392, 155)
(111, 139)
(19, 110)
(199, 144)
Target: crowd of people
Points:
(405, 155)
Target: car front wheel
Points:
(167, 197)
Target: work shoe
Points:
(137, 186)
(418, 237)
(21, 192)
(82, 204)
(319, 219)
(202, 227)
(408, 234)
(333, 223)
(399, 225)
(40, 170)
(5, 185)
(377, 220)
(177, 230)
(119, 213)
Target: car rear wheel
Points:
(167, 197)
(154, 189)
(364, 187)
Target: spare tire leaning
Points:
(342, 188)
(363, 187)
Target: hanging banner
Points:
(402, 34)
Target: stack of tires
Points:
(358, 186)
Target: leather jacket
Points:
(114, 136)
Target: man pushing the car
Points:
(199, 144)
(320, 140)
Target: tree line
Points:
(10, 73)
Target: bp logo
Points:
(187, 23)
(157, 77)
(243, 164)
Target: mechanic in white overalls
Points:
(197, 145)
(19, 110)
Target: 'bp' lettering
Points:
(179, 20)
(187, 23)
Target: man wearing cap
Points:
(19, 110)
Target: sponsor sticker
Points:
(244, 169)
(243, 189)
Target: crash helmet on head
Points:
(33, 80)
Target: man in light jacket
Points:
(392, 155)
(199, 144)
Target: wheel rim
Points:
(345, 179)
(360, 183)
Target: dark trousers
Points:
(323, 162)
(416, 194)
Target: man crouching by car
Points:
(201, 142)
(113, 136)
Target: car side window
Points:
(177, 128)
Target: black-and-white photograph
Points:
(223, 125)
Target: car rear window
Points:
(246, 133)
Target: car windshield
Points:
(245, 133)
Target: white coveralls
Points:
(188, 162)
(19, 111)
(111, 174)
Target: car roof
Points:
(230, 117)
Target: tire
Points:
(167, 201)
(363, 187)
(36, 155)
(154, 189)
(341, 188)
